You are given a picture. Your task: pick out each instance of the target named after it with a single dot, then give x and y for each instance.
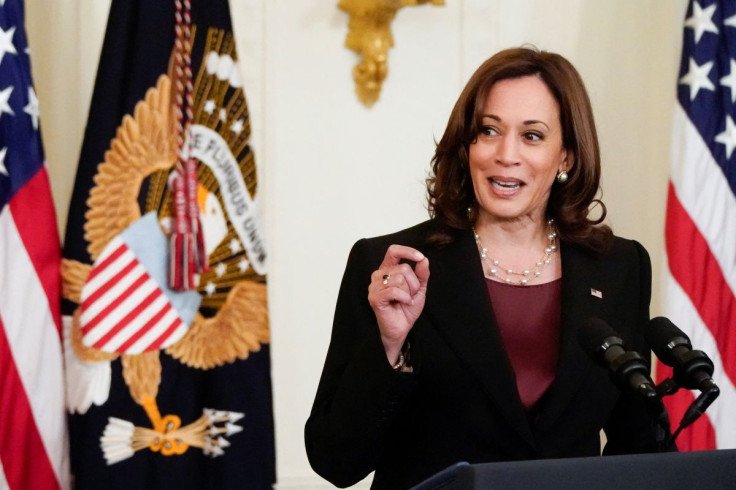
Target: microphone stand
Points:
(709, 392)
(661, 424)
(628, 365)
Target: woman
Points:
(479, 362)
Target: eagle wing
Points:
(238, 328)
(144, 143)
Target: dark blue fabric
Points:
(20, 141)
(710, 108)
(138, 44)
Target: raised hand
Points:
(396, 294)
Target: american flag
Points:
(700, 224)
(33, 443)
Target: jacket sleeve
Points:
(633, 425)
(358, 392)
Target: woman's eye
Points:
(489, 130)
(533, 136)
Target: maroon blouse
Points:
(529, 319)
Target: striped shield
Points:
(126, 305)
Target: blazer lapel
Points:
(578, 304)
(459, 308)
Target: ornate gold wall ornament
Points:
(369, 35)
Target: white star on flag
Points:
(731, 21)
(235, 246)
(237, 126)
(209, 106)
(3, 169)
(728, 137)
(730, 81)
(243, 264)
(220, 269)
(697, 78)
(6, 42)
(702, 21)
(165, 225)
(32, 108)
(210, 288)
(223, 115)
(4, 106)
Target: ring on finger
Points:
(386, 277)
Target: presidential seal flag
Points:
(700, 224)
(33, 437)
(164, 268)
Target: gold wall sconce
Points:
(369, 35)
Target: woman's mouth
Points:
(505, 185)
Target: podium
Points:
(665, 471)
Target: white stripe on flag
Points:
(105, 275)
(136, 324)
(111, 246)
(721, 412)
(32, 336)
(703, 191)
(3, 481)
(145, 341)
(115, 290)
(113, 318)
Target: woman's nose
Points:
(507, 151)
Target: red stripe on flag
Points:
(162, 338)
(109, 284)
(111, 307)
(35, 219)
(696, 270)
(700, 436)
(145, 328)
(106, 263)
(23, 455)
(125, 321)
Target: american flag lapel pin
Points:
(596, 293)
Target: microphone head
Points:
(595, 337)
(663, 336)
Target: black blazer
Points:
(461, 402)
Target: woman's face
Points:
(514, 161)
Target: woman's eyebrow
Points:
(529, 122)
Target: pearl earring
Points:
(562, 176)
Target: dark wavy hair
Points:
(450, 189)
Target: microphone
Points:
(692, 368)
(628, 370)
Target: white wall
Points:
(332, 171)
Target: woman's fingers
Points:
(399, 285)
(401, 276)
(391, 296)
(396, 253)
(392, 272)
(387, 288)
(421, 271)
(396, 294)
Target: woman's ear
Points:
(568, 161)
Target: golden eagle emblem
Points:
(233, 318)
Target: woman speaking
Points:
(456, 339)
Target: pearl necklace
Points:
(523, 277)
